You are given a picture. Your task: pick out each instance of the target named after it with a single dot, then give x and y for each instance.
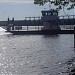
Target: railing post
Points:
(27, 27)
(38, 22)
(74, 37)
(8, 26)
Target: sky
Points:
(25, 1)
(19, 9)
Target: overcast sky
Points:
(26, 1)
(21, 8)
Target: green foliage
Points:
(59, 3)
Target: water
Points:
(35, 54)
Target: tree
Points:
(59, 3)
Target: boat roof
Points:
(52, 10)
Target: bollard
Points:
(74, 37)
(13, 23)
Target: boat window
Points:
(49, 13)
(43, 13)
(46, 13)
(54, 13)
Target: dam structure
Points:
(49, 23)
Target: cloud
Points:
(17, 1)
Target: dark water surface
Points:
(35, 54)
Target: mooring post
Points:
(27, 27)
(13, 23)
(8, 26)
(74, 37)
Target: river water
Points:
(35, 54)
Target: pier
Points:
(38, 24)
(67, 20)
